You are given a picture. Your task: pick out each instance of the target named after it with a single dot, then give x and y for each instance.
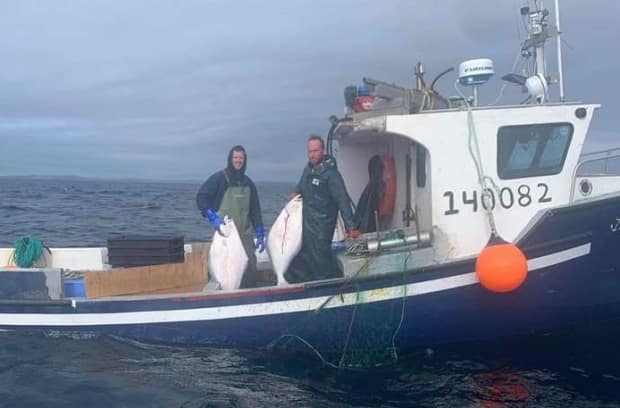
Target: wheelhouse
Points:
(529, 155)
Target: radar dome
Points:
(476, 71)
(537, 87)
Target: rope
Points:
(428, 99)
(409, 97)
(341, 362)
(27, 251)
(347, 281)
(307, 344)
(486, 183)
(514, 65)
(346, 342)
(402, 311)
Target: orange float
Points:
(501, 267)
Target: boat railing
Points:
(599, 163)
(603, 163)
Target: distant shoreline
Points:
(123, 180)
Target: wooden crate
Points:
(166, 278)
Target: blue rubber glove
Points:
(213, 218)
(260, 238)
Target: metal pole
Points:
(535, 29)
(419, 72)
(559, 47)
(540, 60)
(475, 95)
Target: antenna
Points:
(559, 49)
(538, 31)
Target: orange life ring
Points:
(387, 200)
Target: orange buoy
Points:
(501, 267)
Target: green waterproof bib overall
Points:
(236, 205)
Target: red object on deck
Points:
(363, 103)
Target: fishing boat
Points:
(461, 179)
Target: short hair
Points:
(317, 137)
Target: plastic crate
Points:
(138, 250)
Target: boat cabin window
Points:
(532, 150)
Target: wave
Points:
(111, 192)
(88, 217)
(12, 207)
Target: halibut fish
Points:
(227, 257)
(285, 237)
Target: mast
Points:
(538, 31)
(559, 49)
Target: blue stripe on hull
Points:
(558, 296)
(580, 290)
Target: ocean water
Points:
(79, 212)
(573, 368)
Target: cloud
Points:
(162, 90)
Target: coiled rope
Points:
(27, 251)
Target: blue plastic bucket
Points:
(74, 288)
(339, 246)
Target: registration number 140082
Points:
(506, 197)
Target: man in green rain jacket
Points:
(231, 193)
(324, 194)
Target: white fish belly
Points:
(227, 257)
(285, 237)
(340, 232)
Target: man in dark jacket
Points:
(324, 194)
(231, 193)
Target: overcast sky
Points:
(163, 89)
